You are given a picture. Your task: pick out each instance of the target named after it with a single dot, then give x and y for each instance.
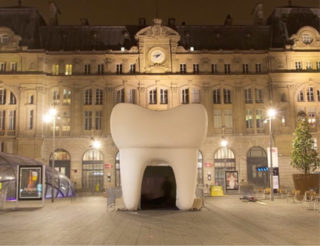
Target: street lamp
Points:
(47, 118)
(271, 112)
(96, 144)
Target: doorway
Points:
(257, 157)
(158, 189)
(62, 162)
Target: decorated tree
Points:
(304, 156)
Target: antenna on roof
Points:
(157, 10)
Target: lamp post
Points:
(271, 114)
(47, 118)
(224, 144)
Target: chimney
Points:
(142, 21)
(171, 22)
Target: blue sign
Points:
(262, 169)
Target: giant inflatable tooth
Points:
(145, 137)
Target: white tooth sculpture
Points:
(145, 137)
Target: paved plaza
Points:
(224, 221)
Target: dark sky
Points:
(121, 12)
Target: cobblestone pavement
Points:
(224, 221)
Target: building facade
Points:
(236, 72)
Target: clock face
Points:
(157, 56)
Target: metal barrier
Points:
(112, 195)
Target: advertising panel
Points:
(232, 182)
(30, 183)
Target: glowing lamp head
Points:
(52, 112)
(224, 143)
(272, 112)
(47, 118)
(96, 144)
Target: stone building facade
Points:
(236, 72)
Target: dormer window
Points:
(306, 38)
(4, 39)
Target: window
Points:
(132, 68)
(65, 123)
(217, 119)
(245, 68)
(99, 97)
(120, 96)
(298, 65)
(248, 95)
(196, 68)
(308, 65)
(2, 96)
(227, 96)
(87, 69)
(163, 96)
(283, 97)
(66, 96)
(185, 96)
(56, 96)
(228, 118)
(55, 69)
(214, 68)
(100, 69)
(87, 120)
(306, 38)
(310, 94)
(13, 99)
(259, 118)
(183, 68)
(31, 120)
(153, 96)
(227, 68)
(258, 68)
(68, 69)
(318, 65)
(2, 67)
(216, 96)
(133, 96)
(12, 120)
(318, 95)
(14, 67)
(31, 99)
(2, 119)
(88, 97)
(249, 119)
(195, 95)
(119, 68)
(98, 120)
(4, 39)
(312, 119)
(300, 96)
(283, 119)
(259, 95)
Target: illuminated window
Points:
(4, 39)
(306, 38)
(259, 118)
(55, 69)
(283, 119)
(249, 119)
(312, 118)
(68, 69)
(66, 96)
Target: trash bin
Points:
(216, 190)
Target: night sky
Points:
(122, 12)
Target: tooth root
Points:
(184, 163)
(131, 170)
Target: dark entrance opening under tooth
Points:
(158, 189)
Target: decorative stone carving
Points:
(306, 38)
(8, 40)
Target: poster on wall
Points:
(30, 183)
(232, 182)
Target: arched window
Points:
(257, 157)
(310, 94)
(88, 97)
(62, 161)
(93, 155)
(224, 160)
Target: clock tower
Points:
(157, 46)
